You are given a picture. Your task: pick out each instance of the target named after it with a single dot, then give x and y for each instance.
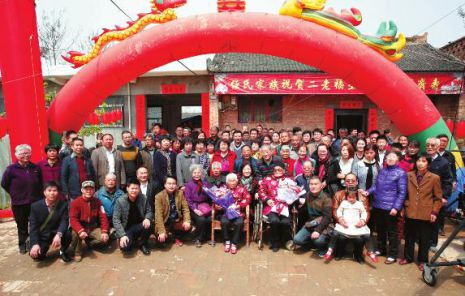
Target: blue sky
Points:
(86, 16)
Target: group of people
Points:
(366, 189)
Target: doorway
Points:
(173, 110)
(351, 119)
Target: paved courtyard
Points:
(208, 271)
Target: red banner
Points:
(430, 83)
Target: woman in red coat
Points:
(226, 157)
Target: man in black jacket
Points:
(164, 163)
(132, 219)
(441, 167)
(48, 225)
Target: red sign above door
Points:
(169, 89)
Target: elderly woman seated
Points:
(234, 214)
(199, 203)
(275, 191)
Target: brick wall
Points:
(308, 111)
(457, 49)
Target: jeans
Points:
(303, 237)
(237, 225)
(21, 213)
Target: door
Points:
(351, 119)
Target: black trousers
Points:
(45, 242)
(339, 241)
(237, 224)
(439, 224)
(386, 226)
(422, 230)
(202, 225)
(280, 226)
(21, 214)
(135, 232)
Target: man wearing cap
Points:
(88, 220)
(132, 219)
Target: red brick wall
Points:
(308, 111)
(457, 49)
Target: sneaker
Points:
(64, 257)
(227, 247)
(328, 256)
(233, 249)
(178, 242)
(421, 267)
(198, 243)
(390, 260)
(373, 257)
(404, 262)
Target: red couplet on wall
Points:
(372, 119)
(329, 119)
(206, 113)
(141, 116)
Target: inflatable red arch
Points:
(282, 36)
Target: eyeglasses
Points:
(430, 145)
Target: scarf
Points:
(247, 183)
(369, 180)
(168, 161)
(322, 169)
(199, 185)
(298, 165)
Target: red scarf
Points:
(321, 171)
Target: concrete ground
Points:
(187, 270)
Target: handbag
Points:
(205, 208)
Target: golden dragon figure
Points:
(385, 41)
(162, 11)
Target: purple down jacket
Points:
(390, 188)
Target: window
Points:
(153, 116)
(260, 109)
(190, 111)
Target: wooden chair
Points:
(216, 225)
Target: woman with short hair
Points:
(199, 203)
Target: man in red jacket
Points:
(88, 220)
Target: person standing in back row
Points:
(131, 155)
